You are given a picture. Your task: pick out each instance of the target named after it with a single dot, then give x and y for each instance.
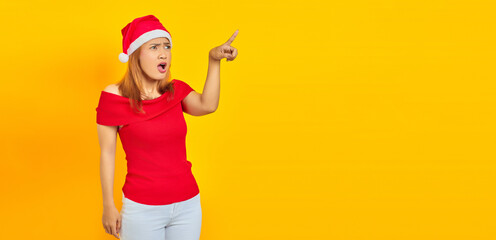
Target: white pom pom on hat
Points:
(140, 31)
(123, 57)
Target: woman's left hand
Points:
(225, 50)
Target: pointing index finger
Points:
(232, 37)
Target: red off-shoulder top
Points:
(158, 171)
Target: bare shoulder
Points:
(112, 88)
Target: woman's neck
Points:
(150, 87)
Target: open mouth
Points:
(161, 67)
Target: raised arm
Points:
(197, 104)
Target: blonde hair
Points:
(130, 86)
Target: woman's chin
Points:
(158, 76)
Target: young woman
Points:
(161, 199)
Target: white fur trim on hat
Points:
(145, 37)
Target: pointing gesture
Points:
(225, 50)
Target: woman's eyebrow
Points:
(159, 43)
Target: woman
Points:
(160, 196)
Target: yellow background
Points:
(337, 120)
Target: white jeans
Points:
(180, 220)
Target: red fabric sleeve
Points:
(186, 88)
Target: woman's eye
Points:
(155, 47)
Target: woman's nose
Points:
(163, 53)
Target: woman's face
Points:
(154, 54)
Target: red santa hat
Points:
(140, 31)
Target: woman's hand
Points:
(225, 50)
(112, 221)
